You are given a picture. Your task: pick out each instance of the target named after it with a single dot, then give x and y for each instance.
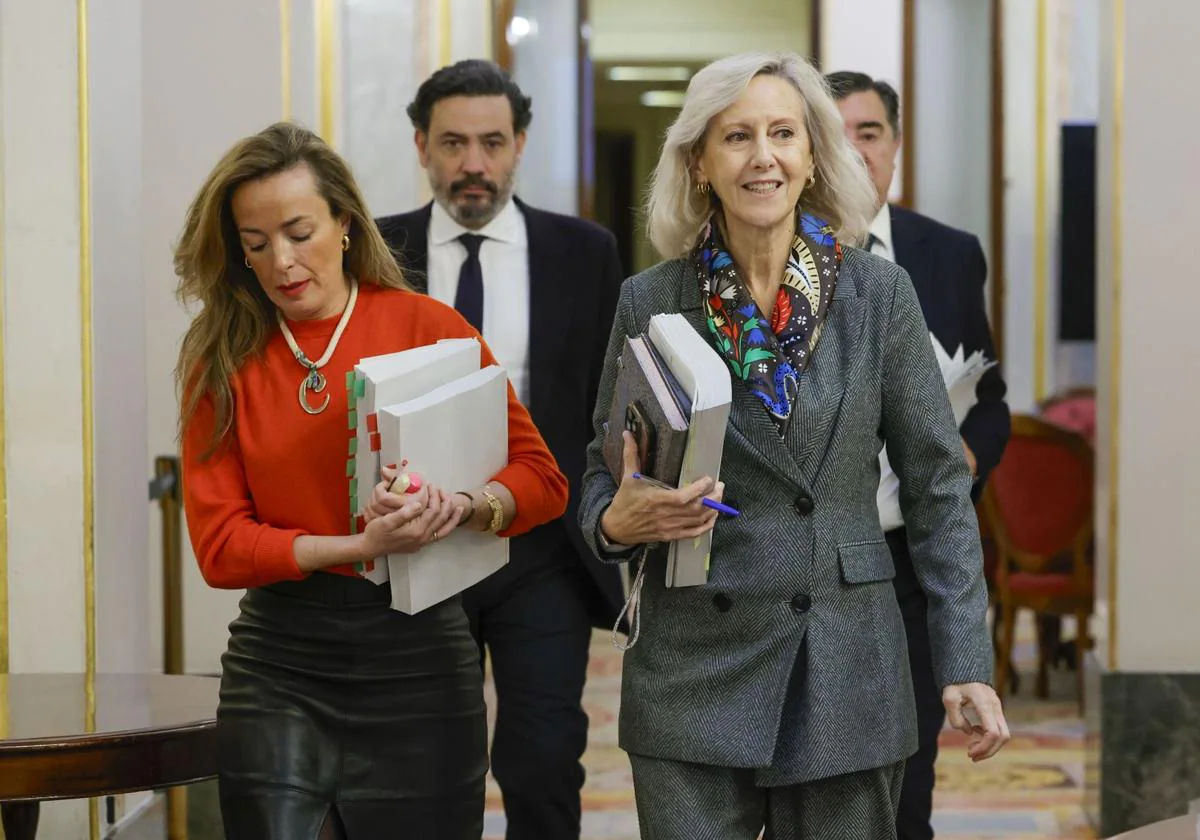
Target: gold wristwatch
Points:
(497, 507)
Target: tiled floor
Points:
(1033, 789)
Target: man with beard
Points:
(542, 289)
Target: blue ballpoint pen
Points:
(707, 502)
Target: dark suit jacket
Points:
(948, 269)
(574, 279)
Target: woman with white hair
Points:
(778, 694)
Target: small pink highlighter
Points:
(405, 482)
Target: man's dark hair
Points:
(472, 77)
(846, 82)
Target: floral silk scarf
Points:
(769, 355)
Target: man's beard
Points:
(475, 212)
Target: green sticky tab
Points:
(360, 389)
(350, 380)
(354, 530)
(353, 419)
(351, 466)
(354, 488)
(353, 446)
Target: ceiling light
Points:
(519, 28)
(663, 98)
(649, 74)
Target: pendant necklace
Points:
(314, 380)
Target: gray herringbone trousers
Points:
(680, 801)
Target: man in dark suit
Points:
(948, 269)
(542, 289)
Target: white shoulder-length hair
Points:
(843, 194)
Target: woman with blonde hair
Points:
(777, 694)
(338, 716)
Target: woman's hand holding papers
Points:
(641, 513)
(402, 523)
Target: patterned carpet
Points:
(1033, 789)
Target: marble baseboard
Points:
(204, 812)
(1142, 749)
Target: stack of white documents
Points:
(436, 409)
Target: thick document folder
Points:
(380, 381)
(673, 393)
(455, 436)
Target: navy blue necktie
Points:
(468, 300)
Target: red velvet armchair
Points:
(1039, 510)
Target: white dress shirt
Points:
(881, 229)
(887, 498)
(504, 258)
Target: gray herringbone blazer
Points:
(806, 560)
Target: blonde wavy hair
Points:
(237, 318)
(843, 194)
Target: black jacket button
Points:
(801, 604)
(722, 602)
(803, 505)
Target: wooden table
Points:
(151, 731)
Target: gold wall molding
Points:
(87, 367)
(3, 447)
(326, 21)
(285, 55)
(445, 44)
(87, 364)
(1114, 346)
(1041, 232)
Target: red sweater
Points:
(283, 473)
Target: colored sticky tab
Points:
(354, 488)
(351, 467)
(369, 566)
(353, 419)
(353, 525)
(360, 389)
(376, 442)
(372, 422)
(350, 380)
(353, 446)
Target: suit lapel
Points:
(748, 419)
(550, 305)
(823, 386)
(414, 250)
(909, 250)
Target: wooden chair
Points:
(1039, 509)
(1073, 409)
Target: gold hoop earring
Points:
(812, 180)
(247, 261)
(345, 242)
(703, 187)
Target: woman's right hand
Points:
(422, 518)
(383, 501)
(641, 513)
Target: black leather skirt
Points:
(331, 699)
